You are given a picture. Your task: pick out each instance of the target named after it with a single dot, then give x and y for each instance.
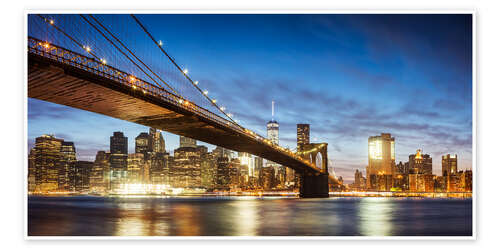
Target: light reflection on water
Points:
(247, 216)
(375, 216)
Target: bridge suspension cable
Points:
(51, 23)
(126, 48)
(184, 72)
(114, 45)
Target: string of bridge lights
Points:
(160, 44)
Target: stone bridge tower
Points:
(314, 184)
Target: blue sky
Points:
(349, 76)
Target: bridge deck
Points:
(62, 83)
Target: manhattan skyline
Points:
(349, 76)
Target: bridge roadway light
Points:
(185, 71)
(160, 43)
(51, 22)
(214, 101)
(205, 92)
(195, 82)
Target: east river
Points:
(247, 216)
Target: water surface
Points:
(246, 216)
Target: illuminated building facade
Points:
(135, 168)
(159, 164)
(303, 135)
(157, 141)
(118, 159)
(247, 161)
(208, 171)
(186, 142)
(420, 163)
(223, 173)
(381, 162)
(100, 173)
(449, 164)
(31, 171)
(186, 169)
(82, 176)
(258, 165)
(359, 181)
(267, 178)
(66, 181)
(46, 158)
(143, 144)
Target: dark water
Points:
(242, 216)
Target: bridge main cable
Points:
(124, 46)
(180, 69)
(68, 36)
(114, 45)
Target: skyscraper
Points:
(273, 136)
(273, 129)
(246, 159)
(46, 157)
(143, 144)
(99, 176)
(157, 141)
(67, 166)
(381, 161)
(223, 177)
(449, 164)
(186, 142)
(302, 135)
(420, 163)
(118, 144)
(82, 175)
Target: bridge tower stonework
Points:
(314, 184)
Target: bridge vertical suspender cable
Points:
(68, 36)
(180, 69)
(126, 48)
(114, 45)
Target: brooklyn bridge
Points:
(118, 68)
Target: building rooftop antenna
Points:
(272, 110)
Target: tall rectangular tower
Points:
(381, 158)
(302, 135)
(449, 164)
(118, 145)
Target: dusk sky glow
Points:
(349, 76)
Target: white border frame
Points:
(231, 11)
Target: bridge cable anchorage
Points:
(69, 36)
(132, 53)
(112, 43)
(182, 71)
